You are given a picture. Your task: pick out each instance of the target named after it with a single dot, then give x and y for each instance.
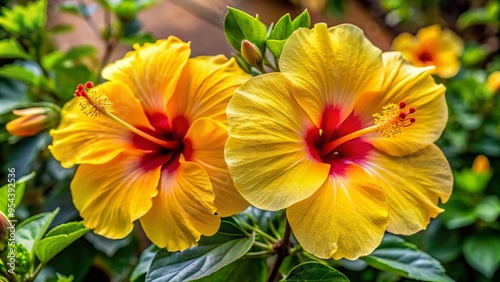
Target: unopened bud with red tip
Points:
(251, 53)
(32, 121)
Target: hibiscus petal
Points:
(183, 210)
(326, 73)
(266, 152)
(111, 196)
(413, 185)
(151, 71)
(205, 88)
(206, 141)
(417, 88)
(345, 218)
(82, 139)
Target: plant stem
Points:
(35, 274)
(282, 249)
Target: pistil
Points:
(95, 103)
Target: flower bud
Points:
(251, 53)
(481, 164)
(493, 81)
(4, 232)
(32, 121)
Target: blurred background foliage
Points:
(47, 48)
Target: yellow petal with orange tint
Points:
(151, 71)
(183, 210)
(82, 139)
(345, 218)
(330, 67)
(207, 140)
(413, 185)
(266, 152)
(416, 87)
(111, 196)
(205, 88)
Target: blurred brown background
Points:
(200, 21)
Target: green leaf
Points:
(242, 270)
(283, 28)
(12, 95)
(276, 46)
(145, 260)
(10, 48)
(31, 230)
(459, 213)
(302, 20)
(19, 186)
(25, 20)
(59, 238)
(60, 28)
(20, 73)
(63, 278)
(212, 254)
(239, 25)
(486, 15)
(79, 52)
(488, 210)
(482, 252)
(404, 259)
(314, 271)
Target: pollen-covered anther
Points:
(393, 119)
(94, 104)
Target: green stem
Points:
(35, 274)
(262, 245)
(259, 254)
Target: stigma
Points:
(393, 119)
(93, 103)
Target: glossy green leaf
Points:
(283, 28)
(242, 270)
(302, 20)
(144, 263)
(10, 48)
(275, 46)
(239, 25)
(209, 256)
(60, 29)
(59, 238)
(10, 203)
(482, 252)
(31, 230)
(314, 271)
(404, 259)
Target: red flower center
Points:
(157, 155)
(425, 57)
(349, 152)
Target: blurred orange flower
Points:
(494, 81)
(432, 46)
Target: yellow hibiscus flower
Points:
(310, 139)
(432, 46)
(493, 81)
(150, 145)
